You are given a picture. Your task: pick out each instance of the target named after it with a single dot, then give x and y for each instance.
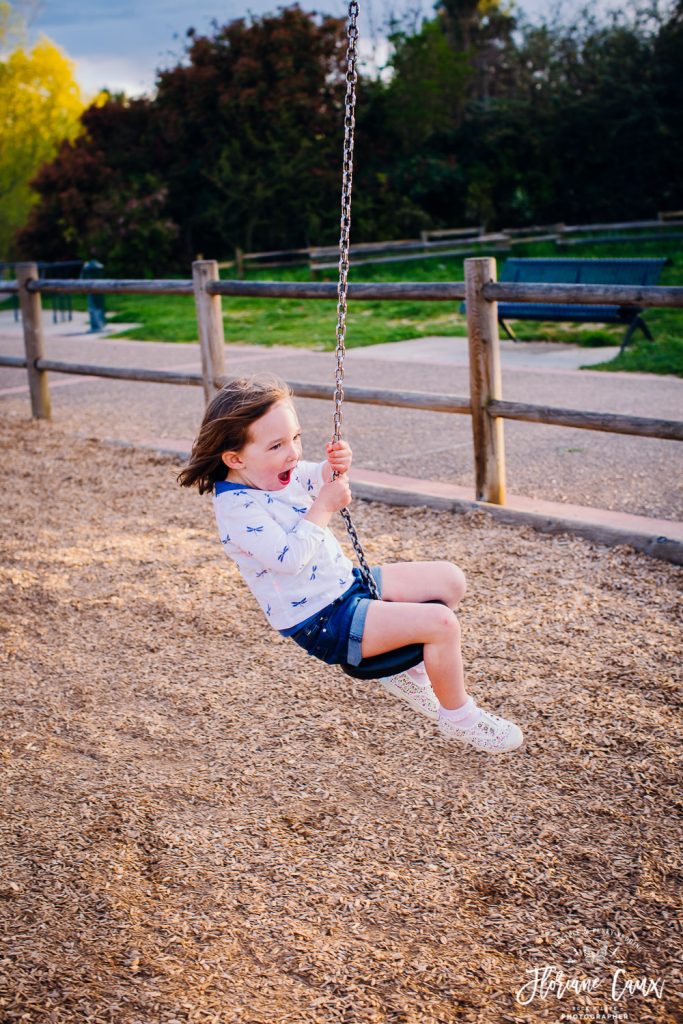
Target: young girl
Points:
(273, 512)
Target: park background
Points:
(198, 826)
(473, 113)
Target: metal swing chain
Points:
(342, 288)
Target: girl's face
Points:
(269, 458)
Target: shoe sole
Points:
(482, 750)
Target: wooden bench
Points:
(579, 271)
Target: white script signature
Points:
(550, 981)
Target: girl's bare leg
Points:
(397, 620)
(433, 581)
(424, 581)
(394, 624)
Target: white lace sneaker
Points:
(420, 698)
(487, 732)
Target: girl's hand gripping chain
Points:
(335, 494)
(339, 456)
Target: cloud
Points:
(121, 46)
(117, 74)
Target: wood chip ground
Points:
(201, 825)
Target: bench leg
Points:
(508, 330)
(635, 323)
(644, 328)
(629, 334)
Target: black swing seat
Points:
(390, 663)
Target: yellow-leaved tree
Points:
(40, 105)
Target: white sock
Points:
(463, 716)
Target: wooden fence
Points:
(485, 403)
(466, 241)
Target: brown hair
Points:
(225, 427)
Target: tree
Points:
(582, 123)
(592, 121)
(428, 86)
(438, 70)
(40, 105)
(241, 146)
(104, 195)
(242, 143)
(250, 127)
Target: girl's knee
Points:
(446, 624)
(457, 584)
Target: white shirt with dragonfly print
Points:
(292, 567)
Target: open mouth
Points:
(285, 477)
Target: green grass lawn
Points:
(312, 323)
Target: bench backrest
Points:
(583, 271)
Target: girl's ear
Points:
(231, 460)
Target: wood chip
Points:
(200, 825)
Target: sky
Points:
(120, 45)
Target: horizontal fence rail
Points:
(426, 401)
(54, 286)
(408, 245)
(628, 225)
(670, 297)
(611, 423)
(121, 372)
(428, 291)
(439, 243)
(437, 291)
(480, 290)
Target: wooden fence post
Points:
(209, 324)
(34, 343)
(239, 263)
(485, 382)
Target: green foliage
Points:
(40, 104)
(311, 324)
(238, 148)
(256, 114)
(482, 118)
(427, 91)
(101, 199)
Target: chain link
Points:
(342, 288)
(347, 184)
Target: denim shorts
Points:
(335, 633)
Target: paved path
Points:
(539, 356)
(636, 475)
